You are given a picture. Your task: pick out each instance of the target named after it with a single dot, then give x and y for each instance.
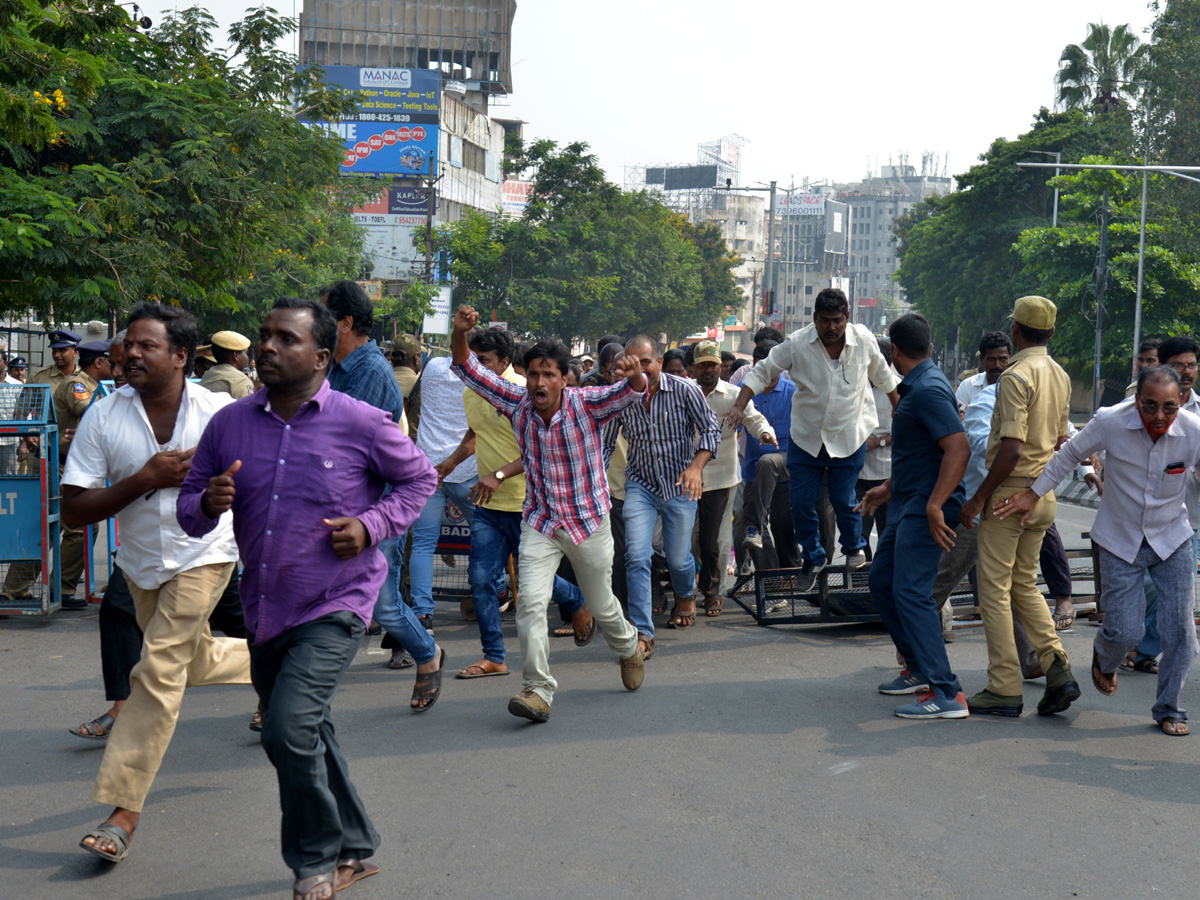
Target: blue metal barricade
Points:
(30, 535)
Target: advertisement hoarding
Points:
(836, 226)
(514, 197)
(394, 206)
(800, 204)
(438, 322)
(395, 131)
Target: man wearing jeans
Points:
(443, 424)
(672, 434)
(566, 504)
(833, 364)
(498, 498)
(1151, 447)
(304, 469)
(360, 370)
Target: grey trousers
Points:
(1125, 614)
(953, 568)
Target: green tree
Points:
(157, 166)
(958, 262)
(1098, 72)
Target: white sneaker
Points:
(856, 560)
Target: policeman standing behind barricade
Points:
(17, 367)
(21, 576)
(227, 376)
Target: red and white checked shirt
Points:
(564, 469)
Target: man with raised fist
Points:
(566, 499)
(139, 441)
(303, 469)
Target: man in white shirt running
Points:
(1141, 527)
(833, 364)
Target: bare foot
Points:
(124, 818)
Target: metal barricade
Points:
(108, 527)
(30, 531)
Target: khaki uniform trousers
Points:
(1007, 569)
(178, 650)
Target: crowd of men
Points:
(327, 475)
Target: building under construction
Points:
(469, 41)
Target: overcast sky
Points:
(818, 90)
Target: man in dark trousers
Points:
(304, 467)
(929, 457)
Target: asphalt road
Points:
(755, 762)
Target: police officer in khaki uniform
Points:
(1029, 423)
(204, 360)
(64, 350)
(229, 350)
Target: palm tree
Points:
(1099, 71)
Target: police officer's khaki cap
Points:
(1034, 312)
(231, 340)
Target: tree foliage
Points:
(158, 166)
(1098, 73)
(589, 258)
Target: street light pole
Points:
(773, 281)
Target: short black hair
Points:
(1149, 344)
(552, 349)
(1157, 375)
(727, 356)
(182, 331)
(324, 326)
(1174, 346)
(347, 298)
(643, 339)
(831, 300)
(738, 365)
(222, 355)
(1035, 336)
(520, 348)
(689, 354)
(763, 349)
(885, 347)
(494, 340)
(911, 335)
(768, 333)
(675, 353)
(608, 353)
(609, 339)
(577, 369)
(993, 340)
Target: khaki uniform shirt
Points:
(1033, 399)
(405, 378)
(52, 376)
(72, 397)
(226, 379)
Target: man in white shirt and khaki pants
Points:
(833, 364)
(1141, 527)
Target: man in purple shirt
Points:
(303, 468)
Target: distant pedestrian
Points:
(228, 376)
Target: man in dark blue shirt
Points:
(929, 455)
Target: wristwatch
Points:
(498, 474)
(883, 442)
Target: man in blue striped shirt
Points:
(672, 434)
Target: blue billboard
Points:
(395, 131)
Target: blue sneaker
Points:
(906, 683)
(934, 706)
(754, 538)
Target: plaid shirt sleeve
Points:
(605, 403)
(500, 392)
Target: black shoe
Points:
(74, 604)
(1061, 688)
(985, 703)
(374, 628)
(426, 623)
(807, 579)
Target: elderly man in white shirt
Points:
(140, 441)
(833, 364)
(722, 474)
(1141, 527)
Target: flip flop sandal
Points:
(305, 888)
(1063, 621)
(1149, 666)
(1178, 727)
(681, 619)
(712, 606)
(1128, 662)
(96, 730)
(647, 645)
(484, 671)
(563, 631)
(1097, 675)
(429, 685)
(586, 638)
(359, 871)
(108, 831)
(401, 660)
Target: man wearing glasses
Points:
(1152, 447)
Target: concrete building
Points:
(742, 220)
(876, 203)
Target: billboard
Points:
(800, 205)
(836, 226)
(395, 131)
(514, 197)
(438, 322)
(394, 206)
